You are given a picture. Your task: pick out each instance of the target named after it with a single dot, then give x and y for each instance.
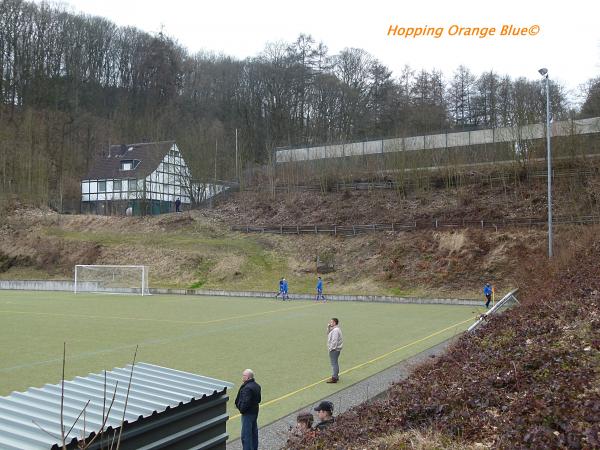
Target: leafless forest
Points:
(70, 85)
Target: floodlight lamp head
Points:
(543, 72)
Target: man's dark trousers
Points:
(249, 432)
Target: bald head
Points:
(248, 374)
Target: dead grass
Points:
(420, 440)
(451, 242)
(196, 249)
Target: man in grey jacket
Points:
(335, 341)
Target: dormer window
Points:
(129, 164)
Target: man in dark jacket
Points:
(325, 414)
(247, 400)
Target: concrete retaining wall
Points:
(37, 285)
(66, 285)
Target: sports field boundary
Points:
(274, 435)
(67, 285)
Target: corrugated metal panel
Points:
(153, 389)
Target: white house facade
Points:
(148, 178)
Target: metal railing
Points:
(353, 230)
(505, 301)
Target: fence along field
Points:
(410, 160)
(353, 230)
(217, 337)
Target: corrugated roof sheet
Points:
(153, 390)
(108, 166)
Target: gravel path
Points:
(274, 435)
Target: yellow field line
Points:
(283, 397)
(141, 319)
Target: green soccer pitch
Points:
(283, 342)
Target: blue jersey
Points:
(487, 290)
(285, 286)
(281, 285)
(320, 285)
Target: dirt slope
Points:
(572, 196)
(196, 250)
(528, 379)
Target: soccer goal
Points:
(111, 279)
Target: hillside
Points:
(527, 379)
(196, 249)
(576, 191)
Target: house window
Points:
(101, 186)
(132, 185)
(129, 164)
(116, 185)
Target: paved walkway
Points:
(274, 435)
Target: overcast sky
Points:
(567, 43)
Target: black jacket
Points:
(325, 424)
(248, 397)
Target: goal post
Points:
(111, 279)
(507, 301)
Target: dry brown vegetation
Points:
(182, 249)
(572, 196)
(527, 379)
(196, 250)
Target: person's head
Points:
(487, 284)
(324, 410)
(304, 421)
(247, 374)
(333, 322)
(319, 278)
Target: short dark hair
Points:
(335, 320)
(305, 417)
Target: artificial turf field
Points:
(219, 337)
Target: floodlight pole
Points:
(544, 73)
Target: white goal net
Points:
(111, 279)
